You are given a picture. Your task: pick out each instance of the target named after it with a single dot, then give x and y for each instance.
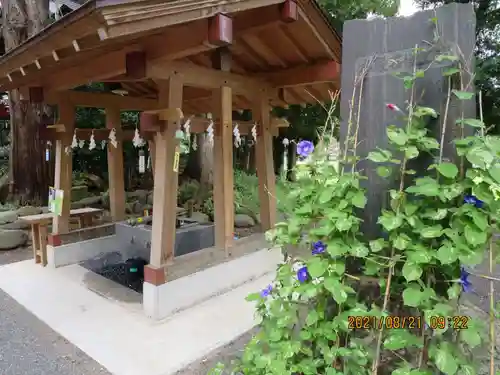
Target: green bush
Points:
(348, 305)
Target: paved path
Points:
(29, 347)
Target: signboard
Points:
(176, 160)
(55, 200)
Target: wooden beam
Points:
(115, 167)
(103, 100)
(265, 164)
(325, 71)
(63, 166)
(135, 65)
(166, 177)
(223, 160)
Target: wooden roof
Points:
(90, 44)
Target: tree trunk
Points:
(22, 19)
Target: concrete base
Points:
(130, 241)
(116, 333)
(164, 300)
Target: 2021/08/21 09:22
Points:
(388, 322)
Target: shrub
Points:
(390, 305)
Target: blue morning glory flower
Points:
(302, 274)
(266, 291)
(464, 281)
(318, 248)
(470, 199)
(305, 148)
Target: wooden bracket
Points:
(59, 128)
(220, 30)
(168, 114)
(149, 122)
(289, 11)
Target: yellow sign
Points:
(176, 161)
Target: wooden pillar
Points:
(223, 176)
(264, 163)
(166, 176)
(64, 165)
(116, 167)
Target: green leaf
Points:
(326, 195)
(454, 291)
(378, 157)
(399, 339)
(471, 337)
(480, 219)
(445, 361)
(463, 95)
(336, 289)
(429, 189)
(441, 58)
(412, 296)
(432, 232)
(359, 200)
(317, 266)
(390, 221)
(450, 71)
(469, 370)
(425, 111)
(378, 245)
(474, 237)
(359, 250)
(494, 172)
(397, 136)
(447, 254)
(480, 157)
(411, 152)
(384, 171)
(412, 271)
(448, 170)
(312, 317)
(473, 122)
(401, 242)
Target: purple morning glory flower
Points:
(318, 248)
(305, 148)
(470, 199)
(464, 281)
(266, 291)
(302, 274)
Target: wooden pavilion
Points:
(175, 59)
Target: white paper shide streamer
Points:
(112, 138)
(237, 136)
(137, 141)
(74, 142)
(92, 143)
(254, 132)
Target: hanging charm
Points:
(179, 134)
(142, 161)
(286, 142)
(187, 127)
(195, 143)
(237, 137)
(254, 132)
(103, 144)
(112, 138)
(74, 142)
(92, 144)
(137, 141)
(81, 143)
(47, 151)
(210, 133)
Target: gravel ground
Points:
(29, 347)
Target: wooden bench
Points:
(39, 225)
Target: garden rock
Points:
(200, 217)
(8, 217)
(10, 239)
(140, 195)
(29, 210)
(79, 192)
(90, 201)
(16, 225)
(243, 221)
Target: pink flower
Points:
(392, 107)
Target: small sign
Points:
(56, 197)
(176, 161)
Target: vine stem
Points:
(490, 261)
(445, 120)
(401, 187)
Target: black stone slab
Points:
(383, 47)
